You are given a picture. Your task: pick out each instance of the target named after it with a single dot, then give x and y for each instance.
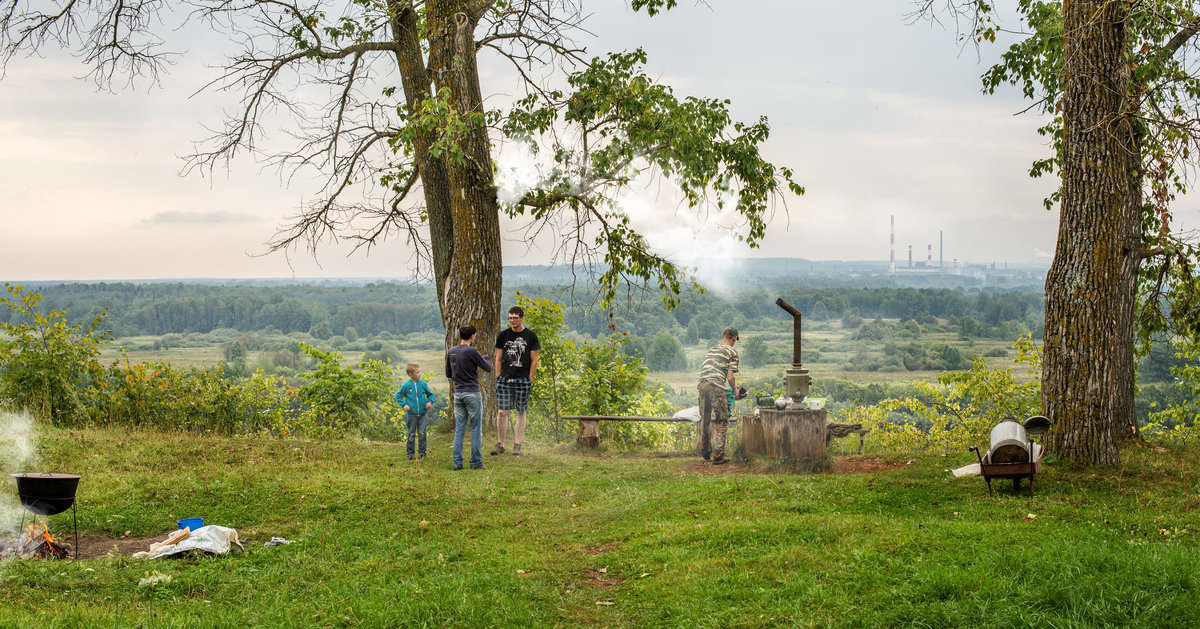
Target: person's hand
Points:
(428, 405)
(407, 408)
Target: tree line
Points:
(404, 308)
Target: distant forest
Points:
(403, 308)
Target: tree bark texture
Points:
(470, 290)
(1088, 289)
(435, 180)
(1125, 424)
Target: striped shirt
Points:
(718, 362)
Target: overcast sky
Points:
(877, 117)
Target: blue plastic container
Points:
(191, 523)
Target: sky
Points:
(878, 117)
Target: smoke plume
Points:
(17, 454)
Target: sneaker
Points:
(410, 457)
(516, 449)
(705, 453)
(720, 461)
(499, 449)
(457, 468)
(420, 456)
(478, 467)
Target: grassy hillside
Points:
(562, 539)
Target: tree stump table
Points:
(795, 435)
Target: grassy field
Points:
(615, 540)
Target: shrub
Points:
(1176, 423)
(666, 353)
(957, 411)
(166, 397)
(321, 331)
(45, 363)
(339, 399)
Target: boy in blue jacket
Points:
(417, 398)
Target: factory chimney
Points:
(893, 260)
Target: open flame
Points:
(38, 542)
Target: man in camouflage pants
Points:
(719, 370)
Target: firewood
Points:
(173, 538)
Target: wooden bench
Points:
(862, 437)
(588, 436)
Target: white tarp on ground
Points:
(691, 414)
(206, 539)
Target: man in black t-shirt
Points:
(517, 359)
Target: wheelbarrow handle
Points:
(977, 454)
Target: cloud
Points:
(174, 217)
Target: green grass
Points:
(626, 540)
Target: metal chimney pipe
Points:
(796, 325)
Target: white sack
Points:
(209, 539)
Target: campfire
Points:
(34, 541)
(37, 542)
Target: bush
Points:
(876, 330)
(957, 411)
(386, 354)
(45, 363)
(666, 353)
(339, 399)
(165, 397)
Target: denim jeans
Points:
(468, 405)
(416, 430)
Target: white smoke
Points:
(693, 237)
(17, 454)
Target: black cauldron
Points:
(47, 494)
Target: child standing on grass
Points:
(417, 398)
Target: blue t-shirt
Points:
(461, 362)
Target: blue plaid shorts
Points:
(512, 394)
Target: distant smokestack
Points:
(893, 259)
(941, 248)
(929, 255)
(910, 256)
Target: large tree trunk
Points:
(435, 179)
(1087, 289)
(471, 288)
(1125, 426)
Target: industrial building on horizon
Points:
(926, 265)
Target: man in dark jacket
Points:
(462, 362)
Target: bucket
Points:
(191, 523)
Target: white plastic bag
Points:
(208, 539)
